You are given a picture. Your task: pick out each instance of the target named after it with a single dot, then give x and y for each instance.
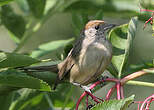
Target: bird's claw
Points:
(86, 88)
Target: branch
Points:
(140, 83)
(134, 75)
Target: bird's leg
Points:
(85, 88)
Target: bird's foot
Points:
(85, 88)
(88, 91)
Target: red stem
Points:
(146, 10)
(122, 92)
(110, 92)
(118, 90)
(148, 103)
(119, 84)
(93, 97)
(138, 107)
(150, 19)
(91, 87)
(133, 76)
(79, 100)
(145, 101)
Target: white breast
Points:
(94, 57)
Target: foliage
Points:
(29, 90)
(114, 104)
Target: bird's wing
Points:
(67, 64)
(65, 67)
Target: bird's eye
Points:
(97, 27)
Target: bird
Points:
(88, 58)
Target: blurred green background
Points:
(58, 24)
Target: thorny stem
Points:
(146, 101)
(119, 86)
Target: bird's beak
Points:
(109, 26)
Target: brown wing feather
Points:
(65, 66)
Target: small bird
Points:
(88, 59)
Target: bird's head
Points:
(97, 27)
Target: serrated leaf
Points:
(37, 7)
(121, 38)
(15, 78)
(4, 2)
(49, 47)
(13, 60)
(13, 22)
(114, 104)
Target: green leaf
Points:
(99, 15)
(139, 66)
(121, 38)
(4, 2)
(23, 5)
(37, 7)
(147, 4)
(49, 47)
(67, 49)
(91, 6)
(6, 100)
(61, 5)
(15, 60)
(13, 22)
(15, 78)
(28, 99)
(78, 22)
(114, 104)
(110, 8)
(63, 99)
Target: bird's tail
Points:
(56, 82)
(51, 68)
